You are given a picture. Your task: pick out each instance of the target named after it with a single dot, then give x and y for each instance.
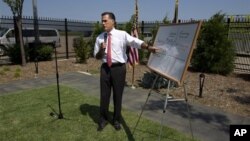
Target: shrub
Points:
(18, 70)
(6, 68)
(82, 50)
(41, 52)
(17, 74)
(214, 52)
(148, 80)
(45, 53)
(2, 72)
(14, 53)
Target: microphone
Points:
(105, 37)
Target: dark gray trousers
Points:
(112, 78)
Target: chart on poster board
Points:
(176, 43)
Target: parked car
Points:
(48, 36)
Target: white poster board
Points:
(176, 43)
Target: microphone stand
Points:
(60, 115)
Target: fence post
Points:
(66, 38)
(228, 25)
(228, 21)
(142, 28)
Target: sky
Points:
(149, 10)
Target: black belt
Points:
(116, 64)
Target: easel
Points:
(168, 99)
(174, 58)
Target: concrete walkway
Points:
(207, 124)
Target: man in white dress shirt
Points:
(110, 47)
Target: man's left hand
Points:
(153, 49)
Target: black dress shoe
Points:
(102, 125)
(117, 126)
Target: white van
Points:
(46, 36)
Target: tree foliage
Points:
(214, 52)
(16, 6)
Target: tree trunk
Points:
(16, 31)
(19, 26)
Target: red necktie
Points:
(109, 58)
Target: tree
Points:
(214, 52)
(16, 7)
(129, 25)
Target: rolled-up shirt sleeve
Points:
(98, 41)
(133, 41)
(96, 48)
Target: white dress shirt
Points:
(119, 42)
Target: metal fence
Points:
(239, 34)
(73, 25)
(64, 26)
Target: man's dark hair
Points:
(111, 15)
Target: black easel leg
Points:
(189, 114)
(152, 87)
(164, 109)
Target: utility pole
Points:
(0, 17)
(175, 20)
(34, 2)
(36, 43)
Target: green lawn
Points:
(25, 116)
